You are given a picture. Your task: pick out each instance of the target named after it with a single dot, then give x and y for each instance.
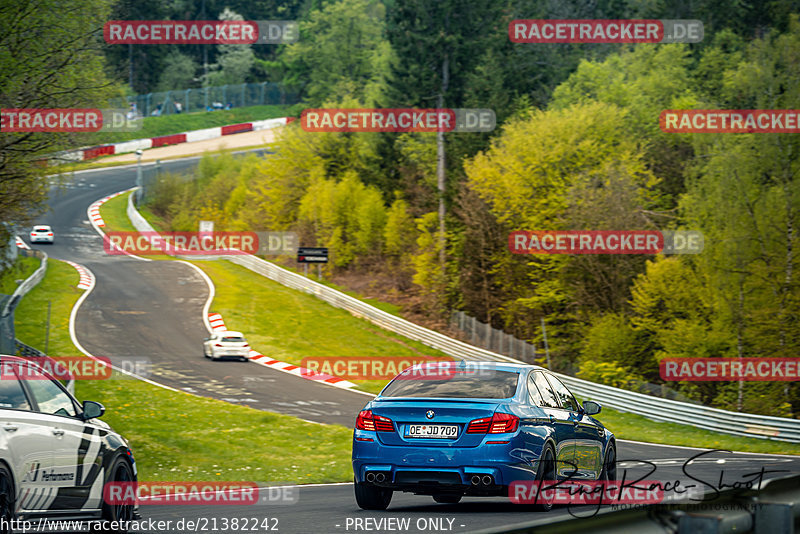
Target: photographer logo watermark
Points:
(605, 31)
(236, 32)
(605, 242)
(724, 369)
(730, 121)
(66, 120)
(398, 120)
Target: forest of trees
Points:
(578, 146)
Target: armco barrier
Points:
(28, 284)
(742, 424)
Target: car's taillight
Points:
(499, 423)
(479, 426)
(218, 344)
(367, 421)
(50, 233)
(245, 346)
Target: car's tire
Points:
(610, 464)
(447, 498)
(7, 500)
(370, 497)
(120, 471)
(546, 471)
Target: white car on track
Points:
(55, 454)
(42, 234)
(226, 345)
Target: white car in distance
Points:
(42, 234)
(226, 345)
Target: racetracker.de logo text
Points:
(398, 120)
(605, 242)
(604, 31)
(237, 32)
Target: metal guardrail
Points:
(773, 509)
(28, 284)
(742, 424)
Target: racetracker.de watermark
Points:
(200, 243)
(605, 31)
(723, 369)
(605, 242)
(192, 493)
(386, 367)
(730, 120)
(62, 368)
(66, 120)
(74, 368)
(460, 120)
(574, 492)
(236, 32)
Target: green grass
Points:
(290, 325)
(59, 287)
(184, 122)
(639, 428)
(21, 269)
(177, 436)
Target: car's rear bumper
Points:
(432, 470)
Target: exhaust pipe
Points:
(370, 477)
(487, 480)
(476, 479)
(380, 477)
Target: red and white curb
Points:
(87, 277)
(164, 140)
(94, 208)
(218, 325)
(21, 243)
(216, 322)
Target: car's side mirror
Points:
(92, 410)
(591, 407)
(207, 339)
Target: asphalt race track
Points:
(153, 309)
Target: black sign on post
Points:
(312, 255)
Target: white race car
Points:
(227, 345)
(55, 455)
(42, 234)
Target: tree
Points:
(178, 73)
(343, 54)
(49, 58)
(234, 61)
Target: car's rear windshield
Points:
(472, 384)
(41, 229)
(233, 339)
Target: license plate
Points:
(432, 431)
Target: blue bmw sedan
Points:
(449, 429)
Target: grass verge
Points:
(59, 288)
(177, 436)
(21, 269)
(639, 428)
(184, 122)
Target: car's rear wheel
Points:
(546, 473)
(447, 498)
(120, 472)
(610, 464)
(7, 500)
(370, 497)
